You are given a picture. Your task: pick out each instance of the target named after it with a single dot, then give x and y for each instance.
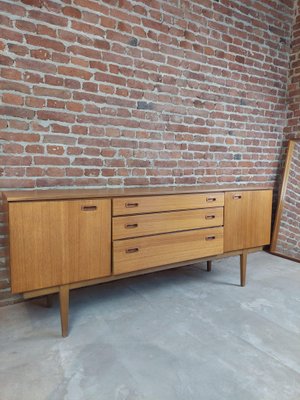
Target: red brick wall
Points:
(292, 130)
(149, 92)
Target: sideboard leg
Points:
(64, 309)
(243, 267)
(209, 266)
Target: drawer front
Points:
(153, 251)
(148, 204)
(152, 224)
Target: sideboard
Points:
(65, 239)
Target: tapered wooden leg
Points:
(209, 266)
(49, 300)
(243, 267)
(64, 309)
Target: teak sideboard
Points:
(65, 239)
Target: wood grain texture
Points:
(152, 224)
(247, 219)
(243, 268)
(64, 300)
(57, 242)
(67, 194)
(146, 204)
(152, 251)
(112, 278)
(283, 189)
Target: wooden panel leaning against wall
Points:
(59, 242)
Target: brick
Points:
(34, 148)
(40, 54)
(13, 9)
(47, 17)
(12, 99)
(49, 92)
(16, 112)
(13, 148)
(35, 102)
(15, 160)
(26, 26)
(59, 150)
(44, 42)
(36, 65)
(80, 73)
(71, 12)
(4, 60)
(9, 73)
(7, 34)
(55, 116)
(48, 160)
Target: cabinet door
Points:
(247, 219)
(58, 242)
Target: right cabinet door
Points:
(247, 219)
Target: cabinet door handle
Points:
(210, 199)
(88, 208)
(131, 226)
(210, 238)
(210, 216)
(133, 250)
(237, 196)
(131, 205)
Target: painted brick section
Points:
(121, 93)
(292, 129)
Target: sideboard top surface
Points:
(67, 194)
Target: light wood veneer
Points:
(144, 204)
(153, 224)
(152, 251)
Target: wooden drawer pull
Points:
(210, 238)
(131, 205)
(131, 226)
(237, 196)
(88, 208)
(133, 250)
(210, 199)
(210, 216)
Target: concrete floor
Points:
(182, 334)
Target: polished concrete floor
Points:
(182, 334)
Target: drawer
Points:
(149, 204)
(153, 224)
(153, 251)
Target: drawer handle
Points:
(210, 199)
(131, 226)
(210, 216)
(133, 250)
(237, 196)
(88, 208)
(131, 205)
(210, 238)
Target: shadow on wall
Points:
(5, 293)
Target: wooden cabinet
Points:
(247, 219)
(58, 242)
(61, 240)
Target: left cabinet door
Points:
(58, 242)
